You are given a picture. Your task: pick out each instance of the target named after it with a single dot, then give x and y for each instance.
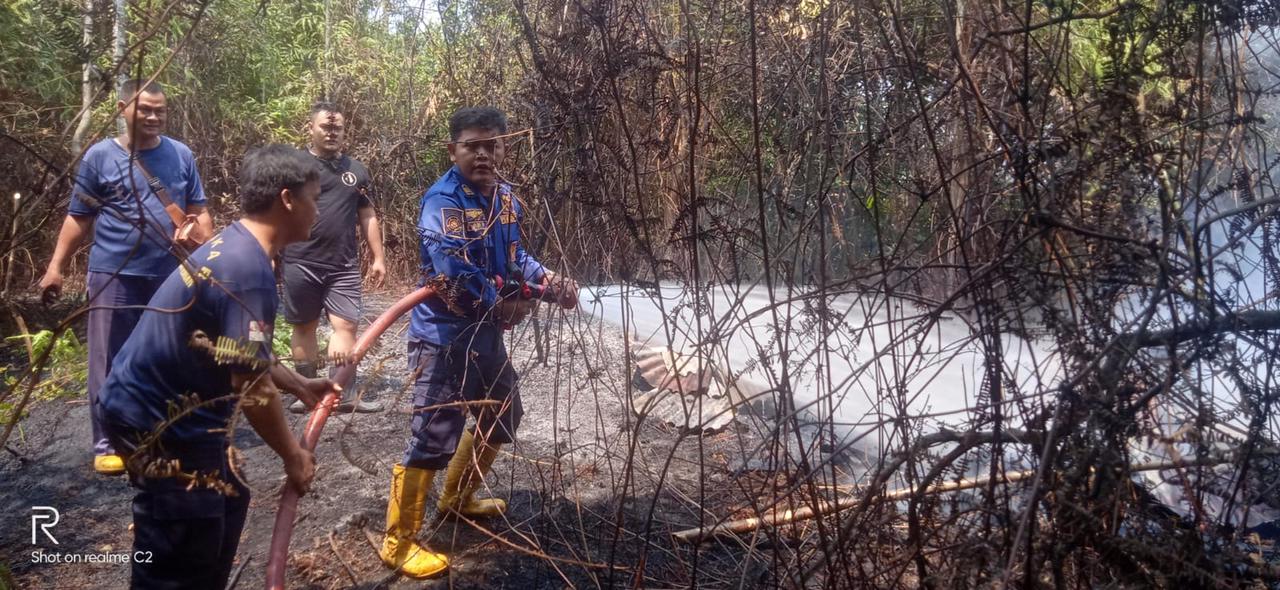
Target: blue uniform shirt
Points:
(106, 178)
(468, 238)
(231, 297)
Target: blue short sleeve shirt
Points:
(111, 188)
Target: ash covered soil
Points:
(594, 493)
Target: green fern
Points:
(65, 374)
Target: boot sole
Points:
(376, 542)
(450, 513)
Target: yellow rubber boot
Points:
(465, 476)
(405, 508)
(108, 464)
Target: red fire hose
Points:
(288, 510)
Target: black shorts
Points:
(308, 289)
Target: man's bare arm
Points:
(74, 229)
(373, 235)
(262, 407)
(310, 391)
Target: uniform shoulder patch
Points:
(451, 221)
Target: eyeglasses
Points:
(476, 145)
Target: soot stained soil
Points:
(594, 493)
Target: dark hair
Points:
(476, 118)
(130, 87)
(323, 106)
(270, 169)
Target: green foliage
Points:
(280, 341)
(6, 577)
(246, 72)
(1129, 46)
(66, 374)
(41, 46)
(613, 98)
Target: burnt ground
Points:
(587, 507)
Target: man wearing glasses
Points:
(469, 235)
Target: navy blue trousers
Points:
(447, 374)
(108, 329)
(182, 538)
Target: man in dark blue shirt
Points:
(470, 234)
(131, 252)
(201, 350)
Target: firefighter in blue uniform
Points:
(201, 350)
(469, 235)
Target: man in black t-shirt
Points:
(323, 273)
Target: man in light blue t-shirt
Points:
(132, 233)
